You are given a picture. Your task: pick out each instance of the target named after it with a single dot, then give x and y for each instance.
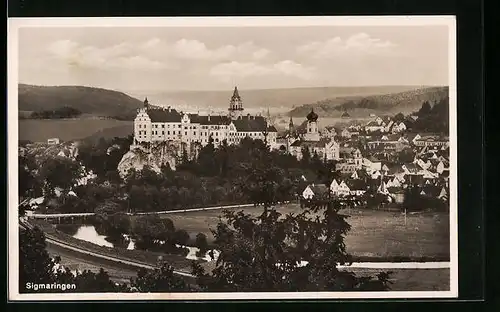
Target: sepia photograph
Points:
(232, 158)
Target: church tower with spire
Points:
(291, 126)
(235, 105)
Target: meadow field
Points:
(374, 235)
(401, 279)
(65, 129)
(412, 279)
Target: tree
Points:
(112, 217)
(150, 229)
(181, 237)
(60, 172)
(263, 253)
(306, 157)
(88, 281)
(399, 117)
(406, 155)
(35, 265)
(425, 109)
(201, 243)
(159, 280)
(29, 184)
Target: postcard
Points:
(232, 158)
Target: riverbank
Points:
(140, 256)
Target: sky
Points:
(218, 58)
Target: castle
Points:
(155, 124)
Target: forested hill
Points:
(95, 101)
(405, 102)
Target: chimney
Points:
(169, 109)
(208, 117)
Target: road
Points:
(83, 214)
(92, 259)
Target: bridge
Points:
(87, 214)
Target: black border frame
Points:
(470, 94)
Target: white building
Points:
(53, 141)
(157, 124)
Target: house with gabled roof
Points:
(398, 127)
(442, 166)
(374, 126)
(372, 163)
(397, 194)
(315, 191)
(339, 188)
(382, 189)
(375, 175)
(357, 187)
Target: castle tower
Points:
(235, 105)
(290, 125)
(312, 127)
(142, 124)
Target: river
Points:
(89, 233)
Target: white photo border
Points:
(13, 26)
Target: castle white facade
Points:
(158, 124)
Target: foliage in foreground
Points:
(263, 253)
(37, 267)
(275, 252)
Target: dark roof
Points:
(413, 168)
(236, 94)
(250, 123)
(395, 170)
(432, 190)
(163, 115)
(214, 120)
(395, 190)
(386, 119)
(319, 189)
(321, 143)
(312, 116)
(345, 114)
(372, 123)
(356, 184)
(410, 136)
(272, 129)
(434, 161)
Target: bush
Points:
(201, 243)
(181, 237)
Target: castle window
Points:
(185, 128)
(163, 126)
(185, 133)
(194, 133)
(163, 132)
(168, 132)
(179, 126)
(173, 132)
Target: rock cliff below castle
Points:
(154, 157)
